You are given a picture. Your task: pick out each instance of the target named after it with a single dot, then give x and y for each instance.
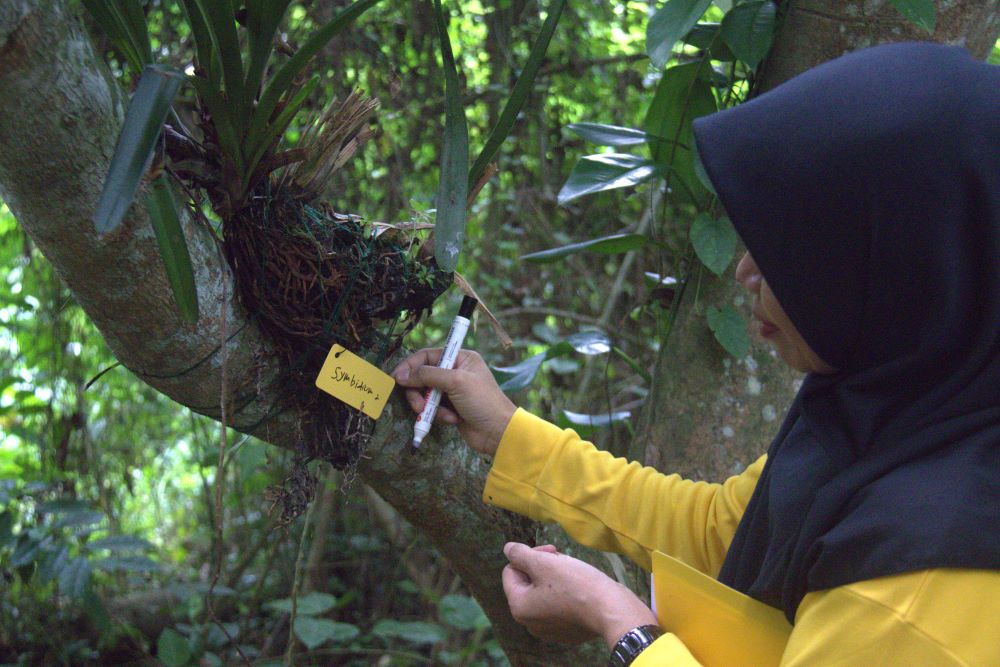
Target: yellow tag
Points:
(354, 381)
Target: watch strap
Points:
(632, 643)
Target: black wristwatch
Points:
(632, 644)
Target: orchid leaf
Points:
(287, 73)
(453, 187)
(156, 90)
(173, 248)
(519, 94)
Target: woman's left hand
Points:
(562, 599)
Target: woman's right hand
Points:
(477, 405)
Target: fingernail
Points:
(403, 374)
(506, 549)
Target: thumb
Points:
(444, 379)
(521, 556)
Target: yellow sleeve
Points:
(666, 650)
(940, 617)
(607, 503)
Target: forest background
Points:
(615, 289)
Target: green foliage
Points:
(149, 107)
(921, 12)
(518, 94)
(453, 190)
(730, 329)
(608, 135)
(607, 171)
(415, 632)
(173, 248)
(714, 241)
(172, 649)
(671, 22)
(607, 245)
(682, 95)
(748, 30)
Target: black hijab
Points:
(868, 192)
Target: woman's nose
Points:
(747, 274)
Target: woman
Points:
(867, 192)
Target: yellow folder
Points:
(719, 625)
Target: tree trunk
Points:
(58, 127)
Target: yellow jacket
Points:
(928, 617)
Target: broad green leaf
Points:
(417, 632)
(520, 375)
(699, 170)
(173, 248)
(590, 343)
(730, 330)
(78, 518)
(671, 22)
(74, 578)
(607, 245)
(287, 73)
(608, 135)
(146, 113)
(921, 12)
(462, 612)
(127, 564)
(706, 36)
(714, 241)
(682, 95)
(120, 543)
(63, 505)
(606, 171)
(25, 550)
(6, 528)
(598, 421)
(518, 94)
(749, 30)
(312, 604)
(453, 188)
(314, 632)
(52, 563)
(173, 649)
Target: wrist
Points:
(626, 613)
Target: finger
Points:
(425, 357)
(448, 416)
(415, 398)
(515, 582)
(445, 379)
(521, 556)
(547, 548)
